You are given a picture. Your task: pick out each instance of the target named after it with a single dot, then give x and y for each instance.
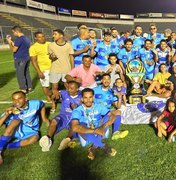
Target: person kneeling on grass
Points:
(91, 120)
(22, 122)
(105, 95)
(169, 114)
(71, 98)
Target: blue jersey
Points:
(67, 102)
(156, 38)
(125, 56)
(172, 44)
(105, 97)
(98, 41)
(138, 42)
(162, 55)
(29, 119)
(103, 52)
(90, 117)
(118, 42)
(23, 44)
(145, 55)
(77, 45)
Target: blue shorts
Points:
(63, 122)
(84, 138)
(24, 132)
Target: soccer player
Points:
(148, 57)
(85, 73)
(126, 54)
(71, 99)
(80, 45)
(116, 38)
(164, 55)
(138, 40)
(91, 121)
(156, 37)
(20, 49)
(22, 122)
(105, 95)
(103, 50)
(61, 54)
(41, 62)
(92, 39)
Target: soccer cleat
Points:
(73, 143)
(91, 153)
(1, 159)
(110, 151)
(64, 144)
(119, 135)
(45, 142)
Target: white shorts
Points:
(56, 77)
(45, 82)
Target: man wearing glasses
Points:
(156, 37)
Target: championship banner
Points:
(125, 16)
(34, 4)
(49, 8)
(21, 2)
(64, 11)
(96, 15)
(79, 13)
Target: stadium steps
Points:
(46, 23)
(18, 22)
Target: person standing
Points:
(61, 54)
(20, 49)
(41, 62)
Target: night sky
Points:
(117, 6)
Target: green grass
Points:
(141, 155)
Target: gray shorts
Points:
(56, 77)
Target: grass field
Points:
(141, 155)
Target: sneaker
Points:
(64, 144)
(110, 151)
(30, 90)
(45, 142)
(73, 143)
(91, 153)
(119, 135)
(52, 111)
(24, 90)
(1, 159)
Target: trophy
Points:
(135, 71)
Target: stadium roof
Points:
(117, 6)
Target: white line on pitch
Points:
(5, 62)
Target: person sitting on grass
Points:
(22, 122)
(169, 114)
(91, 120)
(160, 83)
(104, 95)
(71, 98)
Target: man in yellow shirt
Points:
(40, 59)
(160, 83)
